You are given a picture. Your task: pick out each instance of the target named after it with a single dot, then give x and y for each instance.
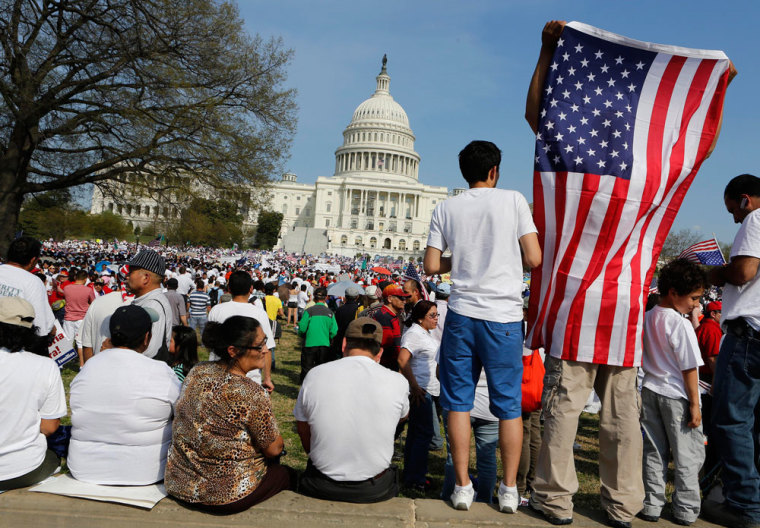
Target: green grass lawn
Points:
(285, 378)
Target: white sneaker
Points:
(508, 500)
(462, 497)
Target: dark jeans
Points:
(278, 478)
(315, 484)
(313, 356)
(43, 471)
(736, 393)
(418, 437)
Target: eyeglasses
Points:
(433, 316)
(258, 348)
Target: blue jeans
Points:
(198, 322)
(418, 436)
(486, 443)
(736, 393)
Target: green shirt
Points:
(319, 326)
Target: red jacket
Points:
(709, 335)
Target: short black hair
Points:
(320, 293)
(682, 276)
(239, 283)
(477, 158)
(172, 284)
(742, 184)
(118, 342)
(269, 288)
(23, 250)
(368, 344)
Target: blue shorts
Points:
(469, 345)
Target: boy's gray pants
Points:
(664, 421)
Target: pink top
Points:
(78, 298)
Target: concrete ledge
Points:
(21, 508)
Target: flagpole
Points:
(720, 250)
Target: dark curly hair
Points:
(186, 346)
(682, 276)
(17, 338)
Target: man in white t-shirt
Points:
(490, 233)
(346, 415)
(121, 408)
(94, 328)
(240, 287)
(16, 280)
(736, 390)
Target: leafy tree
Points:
(678, 241)
(95, 90)
(268, 229)
(214, 223)
(107, 225)
(52, 215)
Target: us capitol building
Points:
(374, 203)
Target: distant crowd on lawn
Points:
(382, 351)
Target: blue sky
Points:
(461, 70)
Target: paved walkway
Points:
(40, 510)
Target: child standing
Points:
(670, 416)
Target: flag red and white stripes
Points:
(624, 127)
(706, 252)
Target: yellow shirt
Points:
(274, 305)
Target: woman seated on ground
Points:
(225, 440)
(32, 399)
(417, 361)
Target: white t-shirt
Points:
(221, 312)
(95, 326)
(16, 282)
(185, 283)
(30, 390)
(482, 227)
(352, 406)
(303, 298)
(744, 301)
(157, 301)
(424, 348)
(670, 347)
(121, 415)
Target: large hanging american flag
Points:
(624, 126)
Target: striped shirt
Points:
(198, 302)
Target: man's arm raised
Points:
(549, 37)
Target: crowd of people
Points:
(381, 352)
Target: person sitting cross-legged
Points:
(346, 415)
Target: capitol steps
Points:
(308, 240)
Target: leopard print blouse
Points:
(221, 423)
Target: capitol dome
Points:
(378, 138)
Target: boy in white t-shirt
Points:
(670, 415)
(491, 234)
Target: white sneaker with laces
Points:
(462, 497)
(508, 499)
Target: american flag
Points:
(707, 252)
(411, 273)
(624, 126)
